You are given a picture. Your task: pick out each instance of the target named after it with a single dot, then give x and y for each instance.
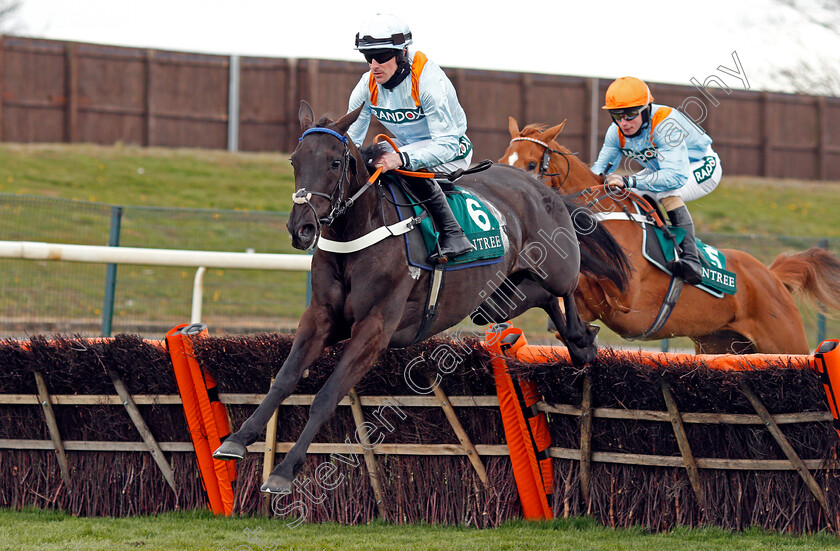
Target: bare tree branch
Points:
(8, 12)
(824, 13)
(818, 72)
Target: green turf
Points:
(192, 178)
(42, 530)
(152, 177)
(749, 205)
(202, 179)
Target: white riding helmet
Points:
(383, 30)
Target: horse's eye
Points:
(532, 166)
(336, 163)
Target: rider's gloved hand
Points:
(627, 182)
(390, 161)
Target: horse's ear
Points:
(513, 127)
(305, 115)
(344, 122)
(552, 132)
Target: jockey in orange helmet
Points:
(676, 156)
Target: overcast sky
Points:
(658, 40)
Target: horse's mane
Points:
(532, 129)
(371, 153)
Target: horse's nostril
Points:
(306, 231)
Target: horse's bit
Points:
(546, 159)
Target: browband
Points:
(322, 130)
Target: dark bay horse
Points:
(373, 299)
(760, 317)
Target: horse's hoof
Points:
(230, 450)
(276, 484)
(582, 356)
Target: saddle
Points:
(659, 244)
(660, 240)
(477, 220)
(422, 239)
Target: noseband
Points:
(546, 159)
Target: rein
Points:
(339, 206)
(591, 193)
(546, 159)
(410, 173)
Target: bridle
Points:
(546, 159)
(338, 205)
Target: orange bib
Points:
(417, 65)
(660, 114)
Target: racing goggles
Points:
(381, 56)
(629, 113)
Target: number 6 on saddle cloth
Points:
(480, 225)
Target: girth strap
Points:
(430, 312)
(676, 284)
(665, 309)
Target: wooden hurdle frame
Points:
(450, 405)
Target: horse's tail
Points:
(600, 254)
(813, 274)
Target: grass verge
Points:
(45, 530)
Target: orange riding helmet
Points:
(627, 92)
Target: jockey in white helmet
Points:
(413, 98)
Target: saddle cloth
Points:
(659, 251)
(478, 223)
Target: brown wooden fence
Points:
(54, 91)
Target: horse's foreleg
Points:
(312, 334)
(368, 341)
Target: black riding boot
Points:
(452, 240)
(688, 266)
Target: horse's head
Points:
(534, 150)
(325, 168)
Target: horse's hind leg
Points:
(509, 300)
(310, 339)
(530, 293)
(581, 333)
(578, 335)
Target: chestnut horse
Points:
(373, 299)
(760, 317)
